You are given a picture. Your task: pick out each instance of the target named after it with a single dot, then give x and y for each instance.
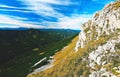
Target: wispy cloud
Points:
(11, 22)
(72, 22)
(48, 13)
(6, 6)
(45, 8)
(58, 2)
(15, 10)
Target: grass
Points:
(70, 64)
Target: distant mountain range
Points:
(23, 28)
(14, 28)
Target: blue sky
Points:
(67, 14)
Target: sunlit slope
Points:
(68, 63)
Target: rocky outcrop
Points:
(103, 23)
(104, 60)
(105, 55)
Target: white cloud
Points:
(6, 6)
(44, 8)
(73, 22)
(16, 9)
(59, 2)
(7, 21)
(8, 26)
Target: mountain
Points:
(21, 49)
(95, 52)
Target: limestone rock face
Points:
(104, 60)
(103, 23)
(105, 55)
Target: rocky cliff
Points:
(103, 23)
(106, 57)
(95, 52)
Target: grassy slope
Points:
(70, 64)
